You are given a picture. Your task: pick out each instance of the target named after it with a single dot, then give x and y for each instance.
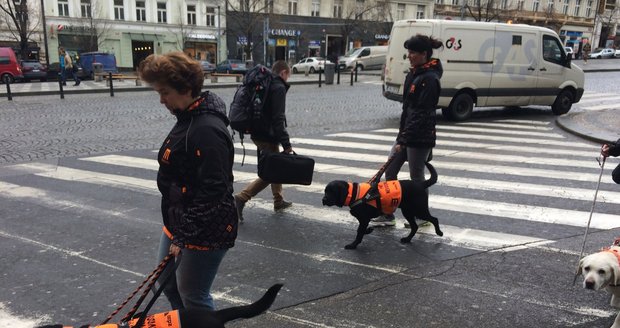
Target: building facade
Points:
(134, 29)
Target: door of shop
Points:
(140, 50)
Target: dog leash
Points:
(382, 169)
(151, 279)
(585, 236)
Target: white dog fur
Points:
(602, 271)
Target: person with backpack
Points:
(268, 133)
(195, 179)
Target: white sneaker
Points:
(383, 221)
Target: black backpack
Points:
(246, 108)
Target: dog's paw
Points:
(405, 240)
(350, 246)
(439, 233)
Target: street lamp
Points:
(219, 35)
(47, 55)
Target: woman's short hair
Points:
(174, 69)
(421, 43)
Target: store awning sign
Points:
(281, 42)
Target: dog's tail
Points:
(250, 310)
(433, 178)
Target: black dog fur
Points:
(414, 204)
(202, 318)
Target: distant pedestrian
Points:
(195, 178)
(67, 65)
(612, 150)
(586, 52)
(416, 134)
(268, 135)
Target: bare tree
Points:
(96, 25)
(363, 16)
(608, 18)
(483, 10)
(181, 30)
(246, 19)
(22, 20)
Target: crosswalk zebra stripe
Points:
(449, 144)
(602, 107)
(446, 180)
(456, 204)
(498, 125)
(520, 122)
(502, 131)
(598, 95)
(598, 99)
(453, 135)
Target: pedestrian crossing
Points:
(514, 173)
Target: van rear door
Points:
(515, 67)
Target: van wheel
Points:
(460, 108)
(562, 103)
(7, 78)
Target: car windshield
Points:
(352, 52)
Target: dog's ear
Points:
(580, 268)
(615, 269)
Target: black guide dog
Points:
(200, 318)
(413, 204)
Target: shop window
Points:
(63, 7)
(161, 12)
(140, 11)
(337, 8)
(119, 11)
(85, 8)
(316, 7)
(210, 16)
(191, 14)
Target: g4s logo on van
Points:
(453, 43)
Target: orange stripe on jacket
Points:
(195, 247)
(390, 192)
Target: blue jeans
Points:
(191, 285)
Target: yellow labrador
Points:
(602, 271)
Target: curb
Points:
(566, 123)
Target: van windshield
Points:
(353, 52)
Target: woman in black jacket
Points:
(612, 150)
(416, 133)
(195, 178)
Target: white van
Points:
(489, 64)
(371, 57)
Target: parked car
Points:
(231, 66)
(312, 64)
(87, 59)
(10, 70)
(53, 72)
(603, 53)
(33, 70)
(617, 54)
(207, 66)
(569, 52)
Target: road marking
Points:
(602, 107)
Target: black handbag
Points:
(285, 168)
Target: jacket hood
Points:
(432, 66)
(207, 103)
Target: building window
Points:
(400, 11)
(337, 8)
(359, 9)
(63, 7)
(140, 11)
(535, 5)
(577, 7)
(119, 12)
(420, 12)
(85, 7)
(550, 6)
(520, 4)
(292, 7)
(456, 2)
(161, 12)
(316, 7)
(503, 4)
(610, 5)
(191, 14)
(269, 6)
(565, 7)
(439, 2)
(210, 16)
(589, 8)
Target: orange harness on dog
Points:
(386, 196)
(159, 320)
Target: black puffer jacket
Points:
(195, 177)
(420, 98)
(272, 125)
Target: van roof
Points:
(96, 53)
(472, 23)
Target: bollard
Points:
(306, 72)
(319, 79)
(338, 77)
(356, 72)
(8, 89)
(351, 77)
(111, 84)
(62, 91)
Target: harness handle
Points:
(382, 169)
